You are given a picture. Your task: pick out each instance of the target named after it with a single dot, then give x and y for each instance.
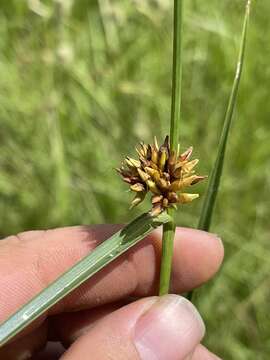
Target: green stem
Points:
(176, 75)
(169, 228)
(167, 253)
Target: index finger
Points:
(32, 260)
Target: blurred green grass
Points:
(81, 82)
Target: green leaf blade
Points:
(105, 253)
(214, 182)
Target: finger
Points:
(154, 328)
(28, 263)
(68, 327)
(201, 353)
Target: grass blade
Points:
(210, 198)
(80, 272)
(169, 228)
(213, 187)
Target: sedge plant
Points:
(160, 170)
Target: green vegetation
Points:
(80, 86)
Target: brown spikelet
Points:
(161, 172)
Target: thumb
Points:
(154, 328)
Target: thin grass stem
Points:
(169, 228)
(167, 254)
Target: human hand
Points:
(99, 320)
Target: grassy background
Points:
(81, 82)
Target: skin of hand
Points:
(114, 315)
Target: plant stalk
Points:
(169, 228)
(167, 254)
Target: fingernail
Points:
(170, 329)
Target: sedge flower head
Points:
(163, 173)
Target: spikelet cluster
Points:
(161, 172)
